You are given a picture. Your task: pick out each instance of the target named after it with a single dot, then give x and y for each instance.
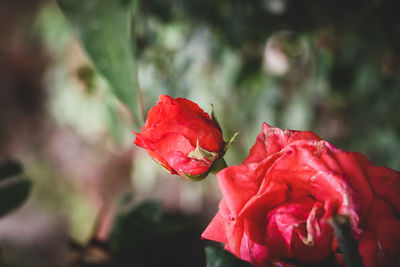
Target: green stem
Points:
(348, 245)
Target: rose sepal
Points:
(195, 178)
(163, 166)
(231, 140)
(218, 165)
(201, 153)
(214, 118)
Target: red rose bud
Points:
(277, 204)
(182, 138)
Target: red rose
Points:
(276, 203)
(180, 136)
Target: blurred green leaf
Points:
(103, 26)
(218, 257)
(13, 192)
(113, 120)
(10, 168)
(145, 231)
(130, 228)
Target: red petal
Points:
(380, 243)
(357, 179)
(240, 183)
(233, 228)
(272, 140)
(216, 230)
(386, 184)
(182, 116)
(367, 249)
(253, 252)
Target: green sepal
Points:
(231, 140)
(200, 153)
(196, 178)
(218, 165)
(161, 165)
(214, 118)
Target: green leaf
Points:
(10, 168)
(135, 223)
(147, 236)
(103, 27)
(13, 192)
(113, 120)
(218, 257)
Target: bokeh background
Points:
(332, 67)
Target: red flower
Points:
(180, 136)
(276, 203)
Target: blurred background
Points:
(332, 67)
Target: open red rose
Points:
(276, 203)
(180, 136)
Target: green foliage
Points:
(10, 168)
(343, 77)
(103, 27)
(145, 236)
(218, 257)
(14, 189)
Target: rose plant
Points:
(276, 204)
(182, 138)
